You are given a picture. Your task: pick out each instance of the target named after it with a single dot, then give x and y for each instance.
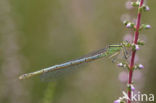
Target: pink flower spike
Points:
(140, 66)
(117, 101)
(137, 47)
(132, 88)
(120, 65)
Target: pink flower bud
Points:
(148, 26)
(117, 101)
(147, 8)
(137, 47)
(128, 25)
(120, 65)
(140, 66)
(132, 88)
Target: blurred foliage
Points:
(35, 34)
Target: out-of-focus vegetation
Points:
(39, 33)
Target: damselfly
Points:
(52, 71)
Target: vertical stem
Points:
(134, 52)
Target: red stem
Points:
(134, 52)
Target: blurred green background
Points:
(35, 34)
